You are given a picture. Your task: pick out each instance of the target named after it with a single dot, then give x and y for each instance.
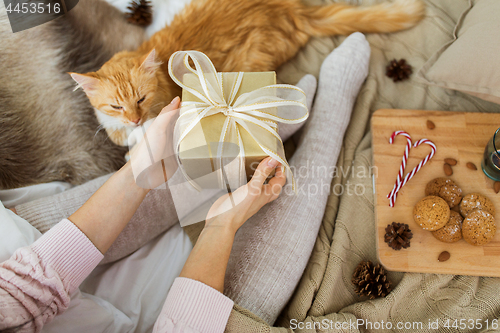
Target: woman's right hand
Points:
(233, 209)
(152, 159)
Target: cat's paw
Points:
(130, 152)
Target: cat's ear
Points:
(150, 65)
(88, 83)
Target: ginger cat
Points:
(237, 35)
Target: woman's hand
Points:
(233, 209)
(208, 260)
(152, 158)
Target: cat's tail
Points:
(343, 19)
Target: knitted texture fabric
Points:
(37, 281)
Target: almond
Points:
(471, 166)
(430, 125)
(496, 187)
(445, 255)
(447, 169)
(450, 161)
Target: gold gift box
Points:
(198, 161)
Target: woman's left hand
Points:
(233, 209)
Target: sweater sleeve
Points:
(193, 307)
(35, 283)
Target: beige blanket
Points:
(347, 235)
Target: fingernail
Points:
(175, 100)
(272, 163)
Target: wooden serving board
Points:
(459, 135)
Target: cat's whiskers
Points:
(99, 128)
(109, 132)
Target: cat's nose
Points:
(136, 121)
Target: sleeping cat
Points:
(237, 35)
(47, 131)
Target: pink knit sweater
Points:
(35, 284)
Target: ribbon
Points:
(253, 111)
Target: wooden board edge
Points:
(375, 197)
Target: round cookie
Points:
(476, 201)
(431, 213)
(446, 189)
(433, 187)
(479, 227)
(452, 231)
(451, 193)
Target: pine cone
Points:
(141, 13)
(370, 280)
(398, 70)
(398, 235)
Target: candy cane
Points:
(405, 158)
(415, 169)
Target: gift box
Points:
(228, 121)
(197, 152)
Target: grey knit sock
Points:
(271, 249)
(308, 84)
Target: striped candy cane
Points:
(405, 158)
(394, 195)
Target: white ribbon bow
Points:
(248, 111)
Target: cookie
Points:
(452, 231)
(478, 227)
(431, 213)
(446, 189)
(476, 201)
(435, 185)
